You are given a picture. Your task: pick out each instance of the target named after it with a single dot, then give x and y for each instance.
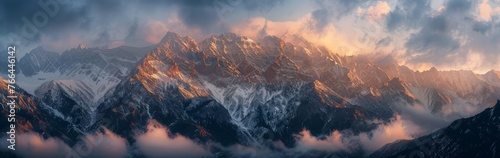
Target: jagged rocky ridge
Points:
(477, 136)
(235, 90)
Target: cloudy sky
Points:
(447, 34)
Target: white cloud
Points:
(97, 145)
(34, 145)
(156, 142)
(333, 142)
(397, 129)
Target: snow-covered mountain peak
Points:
(387, 60)
(178, 44)
(229, 36)
(81, 46)
(433, 69)
(39, 60)
(75, 89)
(232, 38)
(39, 51)
(493, 73)
(84, 75)
(492, 77)
(296, 39)
(272, 42)
(170, 36)
(240, 51)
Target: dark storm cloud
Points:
(208, 15)
(434, 37)
(12, 11)
(434, 40)
(332, 10)
(458, 6)
(133, 31)
(341, 7)
(444, 36)
(18, 18)
(482, 27)
(53, 16)
(98, 21)
(262, 5)
(135, 34)
(103, 37)
(322, 18)
(197, 13)
(408, 14)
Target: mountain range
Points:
(234, 90)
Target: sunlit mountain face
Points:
(251, 79)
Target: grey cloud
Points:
(458, 6)
(60, 14)
(12, 11)
(434, 38)
(100, 144)
(198, 13)
(422, 121)
(408, 14)
(482, 27)
(333, 10)
(261, 5)
(97, 21)
(103, 37)
(27, 22)
(322, 18)
(208, 15)
(394, 19)
(133, 31)
(158, 142)
(341, 7)
(445, 37)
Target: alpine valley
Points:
(233, 96)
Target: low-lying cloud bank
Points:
(100, 144)
(368, 142)
(157, 141)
